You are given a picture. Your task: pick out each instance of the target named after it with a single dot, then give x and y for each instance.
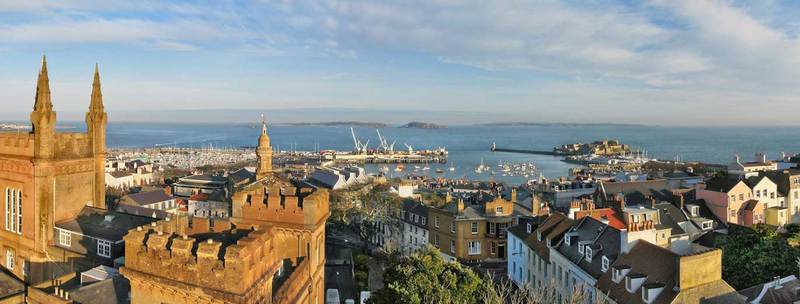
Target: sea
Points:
(468, 146)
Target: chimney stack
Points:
(460, 206)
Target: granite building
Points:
(48, 176)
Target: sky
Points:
(666, 62)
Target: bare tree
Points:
(504, 291)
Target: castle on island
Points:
(272, 250)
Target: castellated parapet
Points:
(231, 265)
(283, 204)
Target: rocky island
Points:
(422, 125)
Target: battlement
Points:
(281, 203)
(234, 260)
(16, 143)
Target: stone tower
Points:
(264, 153)
(96, 120)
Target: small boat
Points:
(452, 168)
(426, 168)
(439, 170)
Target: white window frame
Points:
(498, 210)
(436, 221)
(588, 253)
(474, 227)
(18, 226)
(474, 248)
(452, 246)
(452, 226)
(8, 209)
(65, 237)
(604, 264)
(528, 228)
(423, 220)
(10, 258)
(104, 248)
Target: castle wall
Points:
(243, 274)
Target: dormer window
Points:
(498, 210)
(634, 281)
(604, 264)
(528, 228)
(580, 248)
(539, 236)
(707, 225)
(588, 253)
(694, 211)
(619, 272)
(567, 239)
(650, 291)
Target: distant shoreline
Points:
(557, 124)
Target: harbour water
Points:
(468, 145)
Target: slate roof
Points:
(753, 180)
(412, 208)
(325, 178)
(788, 293)
(104, 224)
(555, 225)
(10, 285)
(611, 188)
(781, 179)
(603, 239)
(142, 211)
(659, 264)
(750, 205)
(671, 216)
(521, 229)
(241, 175)
(721, 184)
(149, 197)
(110, 291)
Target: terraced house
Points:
(472, 226)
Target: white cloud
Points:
(672, 44)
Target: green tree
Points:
(424, 277)
(756, 256)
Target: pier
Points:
(494, 148)
(551, 153)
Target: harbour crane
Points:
(359, 146)
(384, 143)
(410, 149)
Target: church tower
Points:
(96, 120)
(43, 118)
(263, 152)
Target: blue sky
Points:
(659, 62)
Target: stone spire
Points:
(96, 104)
(43, 118)
(96, 120)
(263, 152)
(43, 102)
